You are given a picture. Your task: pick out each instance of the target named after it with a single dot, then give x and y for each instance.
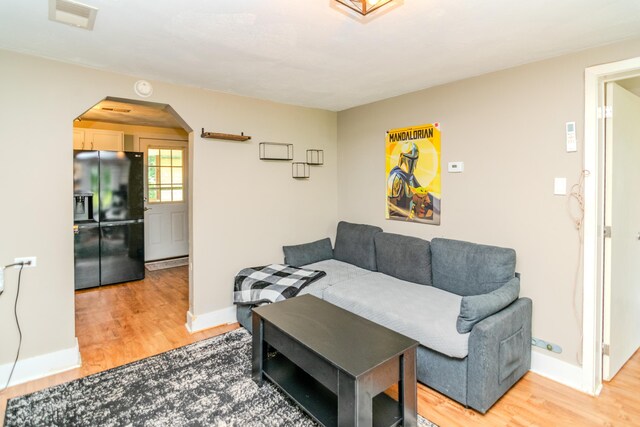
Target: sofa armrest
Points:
(474, 308)
(499, 354)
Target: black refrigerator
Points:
(108, 206)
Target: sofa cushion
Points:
(405, 257)
(354, 244)
(424, 313)
(477, 307)
(466, 268)
(337, 272)
(299, 255)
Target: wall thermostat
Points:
(572, 144)
(455, 167)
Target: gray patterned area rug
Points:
(207, 383)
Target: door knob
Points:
(148, 209)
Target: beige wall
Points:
(508, 128)
(243, 209)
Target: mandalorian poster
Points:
(413, 174)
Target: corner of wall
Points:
(557, 370)
(211, 319)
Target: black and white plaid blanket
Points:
(271, 283)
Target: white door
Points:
(166, 231)
(622, 213)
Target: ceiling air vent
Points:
(72, 13)
(116, 109)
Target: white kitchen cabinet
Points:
(98, 139)
(78, 139)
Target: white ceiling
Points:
(309, 53)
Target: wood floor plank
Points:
(123, 323)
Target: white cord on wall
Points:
(2, 279)
(577, 194)
(15, 313)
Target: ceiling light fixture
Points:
(364, 7)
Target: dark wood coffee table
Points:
(335, 364)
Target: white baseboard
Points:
(41, 366)
(212, 319)
(557, 370)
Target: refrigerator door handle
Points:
(116, 223)
(86, 226)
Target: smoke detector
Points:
(143, 88)
(71, 13)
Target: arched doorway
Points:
(119, 308)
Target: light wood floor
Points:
(123, 323)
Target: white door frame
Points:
(593, 254)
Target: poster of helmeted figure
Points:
(413, 174)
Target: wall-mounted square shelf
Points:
(300, 170)
(315, 157)
(276, 151)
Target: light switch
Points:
(560, 186)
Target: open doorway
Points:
(621, 298)
(140, 166)
(611, 294)
(160, 136)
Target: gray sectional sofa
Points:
(460, 300)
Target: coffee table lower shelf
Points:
(317, 400)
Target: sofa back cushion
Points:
(405, 257)
(466, 268)
(308, 253)
(355, 245)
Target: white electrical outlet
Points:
(32, 260)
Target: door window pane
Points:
(165, 157)
(152, 175)
(153, 156)
(177, 175)
(165, 175)
(176, 157)
(153, 195)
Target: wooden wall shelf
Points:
(226, 136)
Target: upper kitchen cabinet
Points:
(98, 139)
